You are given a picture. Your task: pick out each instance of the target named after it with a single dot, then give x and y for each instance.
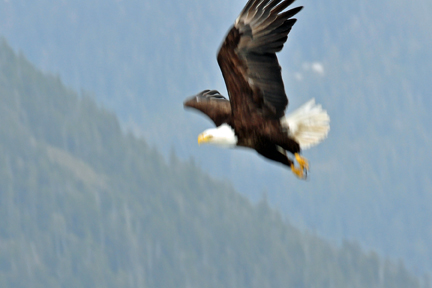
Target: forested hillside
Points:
(83, 204)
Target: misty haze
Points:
(103, 184)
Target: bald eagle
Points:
(254, 116)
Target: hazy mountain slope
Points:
(381, 137)
(370, 180)
(84, 205)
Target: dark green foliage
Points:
(84, 205)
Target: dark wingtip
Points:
(298, 9)
(188, 103)
(205, 95)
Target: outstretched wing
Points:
(248, 61)
(213, 104)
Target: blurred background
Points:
(102, 175)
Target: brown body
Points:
(252, 74)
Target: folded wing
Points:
(213, 104)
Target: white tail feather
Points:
(308, 125)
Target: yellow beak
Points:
(204, 139)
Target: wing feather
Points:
(282, 6)
(247, 57)
(212, 104)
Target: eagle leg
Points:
(304, 165)
(278, 154)
(273, 152)
(299, 172)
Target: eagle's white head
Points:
(223, 136)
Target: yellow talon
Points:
(298, 172)
(302, 162)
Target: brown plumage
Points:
(257, 99)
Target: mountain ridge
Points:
(84, 204)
